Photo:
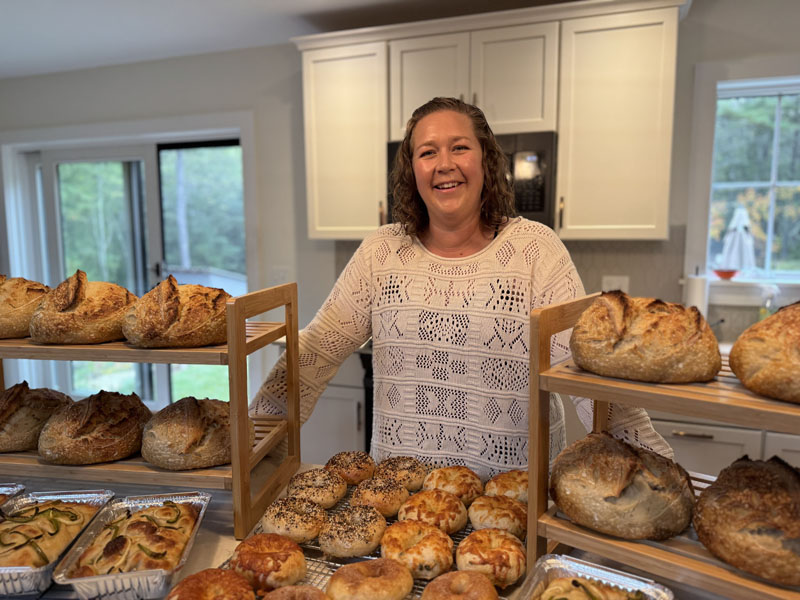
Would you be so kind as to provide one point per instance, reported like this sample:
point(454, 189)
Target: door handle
point(690, 434)
point(359, 418)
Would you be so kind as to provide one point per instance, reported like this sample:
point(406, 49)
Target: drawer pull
point(689, 434)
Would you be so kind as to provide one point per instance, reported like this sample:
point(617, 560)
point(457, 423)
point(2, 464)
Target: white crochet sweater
point(450, 342)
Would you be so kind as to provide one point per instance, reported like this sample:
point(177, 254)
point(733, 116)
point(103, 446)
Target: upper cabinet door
point(345, 117)
point(514, 72)
point(617, 90)
point(423, 68)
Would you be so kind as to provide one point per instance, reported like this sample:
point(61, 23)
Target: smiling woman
point(446, 293)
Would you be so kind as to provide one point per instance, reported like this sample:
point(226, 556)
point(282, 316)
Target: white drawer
point(708, 448)
point(785, 445)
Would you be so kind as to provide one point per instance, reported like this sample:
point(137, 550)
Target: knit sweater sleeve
point(341, 325)
point(561, 282)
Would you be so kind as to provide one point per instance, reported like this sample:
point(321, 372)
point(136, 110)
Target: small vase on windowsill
point(725, 274)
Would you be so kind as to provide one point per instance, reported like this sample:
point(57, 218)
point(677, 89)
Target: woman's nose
point(445, 161)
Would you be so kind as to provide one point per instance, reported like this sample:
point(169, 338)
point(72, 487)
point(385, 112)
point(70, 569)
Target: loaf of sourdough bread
point(18, 299)
point(190, 434)
point(80, 311)
point(750, 518)
point(177, 316)
point(766, 356)
point(644, 339)
point(610, 486)
point(103, 427)
point(23, 413)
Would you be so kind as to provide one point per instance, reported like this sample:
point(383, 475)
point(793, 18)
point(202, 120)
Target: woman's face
point(448, 167)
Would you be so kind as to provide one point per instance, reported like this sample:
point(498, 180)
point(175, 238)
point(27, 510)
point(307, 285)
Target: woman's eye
point(461, 147)
point(425, 153)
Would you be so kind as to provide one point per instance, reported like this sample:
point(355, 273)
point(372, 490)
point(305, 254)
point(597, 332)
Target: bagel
point(323, 487)
point(499, 512)
point(513, 484)
point(354, 466)
point(460, 585)
point(495, 553)
point(213, 584)
point(435, 507)
point(424, 549)
point(295, 518)
point(268, 561)
point(387, 495)
point(297, 592)
point(406, 469)
point(379, 579)
point(353, 531)
point(457, 480)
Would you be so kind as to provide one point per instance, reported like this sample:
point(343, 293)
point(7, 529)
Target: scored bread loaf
point(103, 427)
point(178, 316)
point(644, 339)
point(750, 518)
point(23, 413)
point(18, 299)
point(80, 311)
point(190, 434)
point(766, 356)
point(610, 486)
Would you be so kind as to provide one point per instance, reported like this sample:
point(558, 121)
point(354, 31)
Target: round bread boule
point(607, 485)
point(268, 561)
point(378, 579)
point(424, 549)
point(23, 414)
point(213, 584)
point(19, 298)
point(460, 585)
point(495, 553)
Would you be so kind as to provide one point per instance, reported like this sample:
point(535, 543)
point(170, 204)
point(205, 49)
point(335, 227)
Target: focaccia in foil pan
point(9, 490)
point(578, 575)
point(21, 517)
point(135, 524)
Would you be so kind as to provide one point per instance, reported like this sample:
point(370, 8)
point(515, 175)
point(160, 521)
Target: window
point(754, 221)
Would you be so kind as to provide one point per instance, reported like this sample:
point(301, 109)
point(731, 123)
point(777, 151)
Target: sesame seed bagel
point(353, 531)
point(296, 518)
point(387, 495)
point(354, 466)
point(435, 507)
point(323, 487)
point(457, 480)
point(406, 469)
point(424, 549)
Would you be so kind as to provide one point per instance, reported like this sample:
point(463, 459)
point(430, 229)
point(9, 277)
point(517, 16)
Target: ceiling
point(48, 36)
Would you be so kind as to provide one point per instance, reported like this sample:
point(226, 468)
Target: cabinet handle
point(359, 420)
point(561, 212)
point(475, 98)
point(461, 97)
point(689, 434)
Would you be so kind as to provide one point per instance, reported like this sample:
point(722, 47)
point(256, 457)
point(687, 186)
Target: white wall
point(265, 81)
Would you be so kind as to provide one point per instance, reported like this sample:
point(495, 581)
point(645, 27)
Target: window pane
point(743, 139)
point(723, 205)
point(90, 377)
point(200, 381)
point(789, 157)
point(786, 245)
point(203, 216)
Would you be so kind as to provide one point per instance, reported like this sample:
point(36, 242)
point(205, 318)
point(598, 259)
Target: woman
point(446, 294)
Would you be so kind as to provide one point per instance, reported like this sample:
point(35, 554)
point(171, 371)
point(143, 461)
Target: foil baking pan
point(552, 566)
point(153, 583)
point(9, 490)
point(28, 582)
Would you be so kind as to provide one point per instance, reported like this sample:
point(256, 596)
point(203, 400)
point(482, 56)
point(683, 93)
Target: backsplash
point(727, 322)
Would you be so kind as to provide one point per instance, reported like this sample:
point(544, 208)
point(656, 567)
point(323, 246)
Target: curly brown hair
point(497, 196)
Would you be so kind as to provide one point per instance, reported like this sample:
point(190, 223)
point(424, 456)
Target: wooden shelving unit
point(251, 493)
point(682, 558)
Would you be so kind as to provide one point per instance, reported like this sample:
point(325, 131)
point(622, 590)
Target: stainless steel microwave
point(532, 164)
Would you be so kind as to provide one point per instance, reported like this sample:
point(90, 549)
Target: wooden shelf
point(724, 399)
point(253, 487)
point(259, 334)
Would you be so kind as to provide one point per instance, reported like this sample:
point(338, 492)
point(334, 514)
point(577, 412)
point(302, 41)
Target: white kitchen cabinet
point(336, 425)
point(616, 98)
point(783, 445)
point(345, 115)
point(708, 449)
point(510, 72)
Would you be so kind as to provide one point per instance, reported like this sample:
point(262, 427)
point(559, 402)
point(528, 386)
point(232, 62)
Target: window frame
point(20, 216)
point(709, 77)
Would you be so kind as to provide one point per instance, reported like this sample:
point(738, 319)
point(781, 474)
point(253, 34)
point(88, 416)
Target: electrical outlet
point(615, 282)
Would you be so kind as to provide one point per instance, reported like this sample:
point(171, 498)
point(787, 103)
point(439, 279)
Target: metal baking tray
point(553, 566)
point(9, 490)
point(27, 582)
point(153, 583)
